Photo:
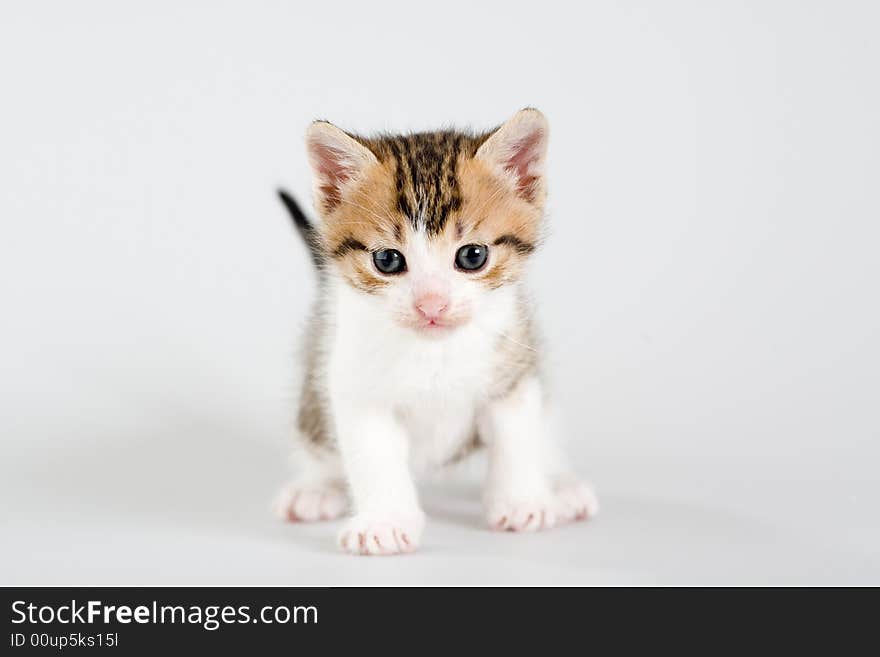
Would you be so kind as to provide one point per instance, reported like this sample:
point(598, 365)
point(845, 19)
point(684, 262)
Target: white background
point(709, 291)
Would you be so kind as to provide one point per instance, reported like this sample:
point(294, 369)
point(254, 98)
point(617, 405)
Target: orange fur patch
point(491, 211)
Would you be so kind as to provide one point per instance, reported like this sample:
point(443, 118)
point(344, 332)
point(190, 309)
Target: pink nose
point(431, 306)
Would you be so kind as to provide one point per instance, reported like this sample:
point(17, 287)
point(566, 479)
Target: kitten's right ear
point(337, 159)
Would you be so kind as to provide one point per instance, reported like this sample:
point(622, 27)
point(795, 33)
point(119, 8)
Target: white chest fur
point(434, 385)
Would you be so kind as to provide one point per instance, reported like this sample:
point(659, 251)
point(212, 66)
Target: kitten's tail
point(305, 227)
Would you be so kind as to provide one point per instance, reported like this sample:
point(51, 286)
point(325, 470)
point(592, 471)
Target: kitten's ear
point(517, 152)
point(337, 159)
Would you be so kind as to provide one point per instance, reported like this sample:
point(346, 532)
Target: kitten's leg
point(527, 489)
point(374, 450)
point(317, 493)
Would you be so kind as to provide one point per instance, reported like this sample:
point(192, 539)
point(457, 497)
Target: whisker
point(505, 336)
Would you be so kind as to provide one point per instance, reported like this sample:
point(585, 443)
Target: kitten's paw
point(302, 502)
point(382, 535)
point(569, 500)
point(575, 500)
point(510, 514)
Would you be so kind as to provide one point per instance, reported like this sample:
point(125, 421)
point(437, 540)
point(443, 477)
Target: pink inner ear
point(334, 168)
point(523, 154)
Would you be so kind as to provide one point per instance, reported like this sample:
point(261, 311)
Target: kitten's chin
point(433, 330)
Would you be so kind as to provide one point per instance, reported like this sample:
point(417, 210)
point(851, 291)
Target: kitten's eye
point(389, 261)
point(471, 257)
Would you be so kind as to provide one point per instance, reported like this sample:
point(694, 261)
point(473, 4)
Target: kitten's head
point(427, 225)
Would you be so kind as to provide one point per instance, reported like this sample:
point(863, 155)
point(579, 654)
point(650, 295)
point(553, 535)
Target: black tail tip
point(285, 197)
point(296, 213)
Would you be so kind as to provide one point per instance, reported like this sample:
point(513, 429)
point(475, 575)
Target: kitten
point(422, 346)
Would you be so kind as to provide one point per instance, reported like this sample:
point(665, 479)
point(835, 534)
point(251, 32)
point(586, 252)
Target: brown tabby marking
point(425, 173)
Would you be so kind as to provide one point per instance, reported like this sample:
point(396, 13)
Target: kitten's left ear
point(517, 152)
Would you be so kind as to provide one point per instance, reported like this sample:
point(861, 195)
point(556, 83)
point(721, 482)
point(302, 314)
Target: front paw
point(507, 513)
point(382, 534)
point(569, 500)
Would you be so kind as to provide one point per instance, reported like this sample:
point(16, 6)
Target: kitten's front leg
point(374, 450)
point(527, 488)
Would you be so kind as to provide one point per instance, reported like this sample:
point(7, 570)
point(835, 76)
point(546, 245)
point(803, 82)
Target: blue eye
point(389, 261)
point(471, 257)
